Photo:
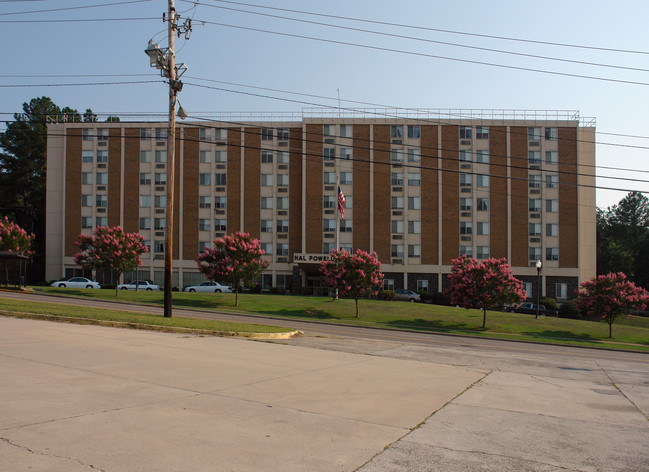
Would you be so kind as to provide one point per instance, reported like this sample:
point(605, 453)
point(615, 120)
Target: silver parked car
point(406, 295)
point(140, 285)
point(76, 282)
point(209, 287)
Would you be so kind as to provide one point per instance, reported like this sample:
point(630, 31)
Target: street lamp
point(539, 266)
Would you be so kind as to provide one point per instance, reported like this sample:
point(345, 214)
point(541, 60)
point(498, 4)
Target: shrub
point(569, 310)
point(426, 297)
point(439, 298)
point(549, 303)
point(387, 295)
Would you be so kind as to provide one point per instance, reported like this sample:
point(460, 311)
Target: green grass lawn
point(400, 315)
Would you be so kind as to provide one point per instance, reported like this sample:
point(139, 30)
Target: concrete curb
point(165, 329)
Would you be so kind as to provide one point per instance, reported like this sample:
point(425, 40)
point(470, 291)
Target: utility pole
point(165, 60)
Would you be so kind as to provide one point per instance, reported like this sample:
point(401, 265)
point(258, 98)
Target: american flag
point(341, 202)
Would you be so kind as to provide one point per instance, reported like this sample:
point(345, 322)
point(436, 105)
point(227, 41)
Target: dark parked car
point(530, 309)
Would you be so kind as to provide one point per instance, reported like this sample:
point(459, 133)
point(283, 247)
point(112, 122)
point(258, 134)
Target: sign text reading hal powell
point(312, 258)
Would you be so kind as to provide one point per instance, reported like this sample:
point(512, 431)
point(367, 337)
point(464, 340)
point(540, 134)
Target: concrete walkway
point(78, 398)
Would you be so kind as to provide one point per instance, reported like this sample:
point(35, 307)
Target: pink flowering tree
point(354, 275)
point(235, 259)
point(110, 248)
point(14, 239)
point(483, 284)
point(610, 295)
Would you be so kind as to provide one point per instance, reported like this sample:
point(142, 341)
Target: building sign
point(311, 258)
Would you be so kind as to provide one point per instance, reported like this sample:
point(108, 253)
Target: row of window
point(551, 229)
point(482, 227)
point(466, 204)
point(551, 157)
point(89, 156)
point(148, 133)
point(481, 180)
point(414, 226)
point(89, 134)
point(267, 157)
point(413, 154)
point(414, 178)
point(414, 203)
point(551, 181)
point(396, 250)
point(329, 178)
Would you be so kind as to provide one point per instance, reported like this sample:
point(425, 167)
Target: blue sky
point(261, 59)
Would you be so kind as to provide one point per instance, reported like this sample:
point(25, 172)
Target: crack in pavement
point(624, 394)
point(38, 453)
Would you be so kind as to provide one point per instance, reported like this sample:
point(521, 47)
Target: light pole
point(539, 266)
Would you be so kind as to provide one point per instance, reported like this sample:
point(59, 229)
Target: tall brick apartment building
point(420, 191)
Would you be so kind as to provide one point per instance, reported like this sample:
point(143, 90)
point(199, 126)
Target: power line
point(74, 8)
point(84, 20)
point(81, 84)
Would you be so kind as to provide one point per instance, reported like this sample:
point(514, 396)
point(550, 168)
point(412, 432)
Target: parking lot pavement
point(86, 397)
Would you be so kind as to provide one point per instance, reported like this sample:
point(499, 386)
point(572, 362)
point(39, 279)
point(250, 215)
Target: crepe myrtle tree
point(610, 295)
point(110, 248)
point(236, 259)
point(14, 239)
point(353, 274)
point(482, 285)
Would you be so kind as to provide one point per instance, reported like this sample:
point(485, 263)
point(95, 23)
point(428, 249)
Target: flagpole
point(337, 222)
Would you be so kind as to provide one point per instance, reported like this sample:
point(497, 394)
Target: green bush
point(549, 303)
point(425, 296)
point(439, 298)
point(569, 310)
point(387, 295)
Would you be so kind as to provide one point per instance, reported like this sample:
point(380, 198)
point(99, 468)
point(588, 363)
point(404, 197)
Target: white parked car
point(141, 285)
point(209, 287)
point(76, 282)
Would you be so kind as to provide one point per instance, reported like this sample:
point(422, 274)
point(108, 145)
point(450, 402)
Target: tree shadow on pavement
point(431, 325)
point(559, 334)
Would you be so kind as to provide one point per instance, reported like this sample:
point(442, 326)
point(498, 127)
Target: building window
point(266, 180)
point(466, 251)
point(160, 201)
point(87, 136)
point(346, 178)
point(534, 205)
point(414, 154)
point(534, 229)
point(414, 250)
point(102, 178)
point(346, 153)
point(204, 201)
point(551, 181)
point(282, 203)
point(202, 245)
point(220, 134)
point(483, 204)
point(220, 202)
point(533, 134)
point(267, 134)
point(145, 134)
point(551, 253)
point(551, 157)
point(483, 228)
point(267, 248)
point(220, 179)
point(204, 134)
point(220, 156)
point(282, 249)
point(282, 157)
point(422, 285)
point(282, 226)
point(266, 157)
point(328, 201)
point(483, 252)
point(396, 250)
point(329, 130)
point(266, 203)
point(397, 178)
point(283, 134)
point(86, 178)
point(204, 156)
point(145, 178)
point(414, 203)
point(397, 203)
point(86, 156)
point(345, 131)
point(466, 204)
point(396, 131)
point(466, 155)
point(534, 157)
point(551, 134)
point(282, 180)
point(346, 226)
point(220, 224)
point(482, 156)
point(552, 206)
point(388, 284)
point(466, 180)
point(414, 131)
point(528, 290)
point(102, 201)
point(158, 246)
point(329, 178)
point(102, 221)
point(86, 200)
point(414, 227)
point(204, 179)
point(204, 225)
point(482, 180)
point(161, 178)
point(159, 223)
point(534, 253)
point(102, 134)
point(466, 132)
point(328, 247)
point(551, 229)
point(397, 226)
point(561, 291)
point(266, 226)
point(396, 155)
point(145, 156)
point(161, 134)
point(329, 154)
point(466, 227)
point(482, 132)
point(86, 222)
point(534, 181)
